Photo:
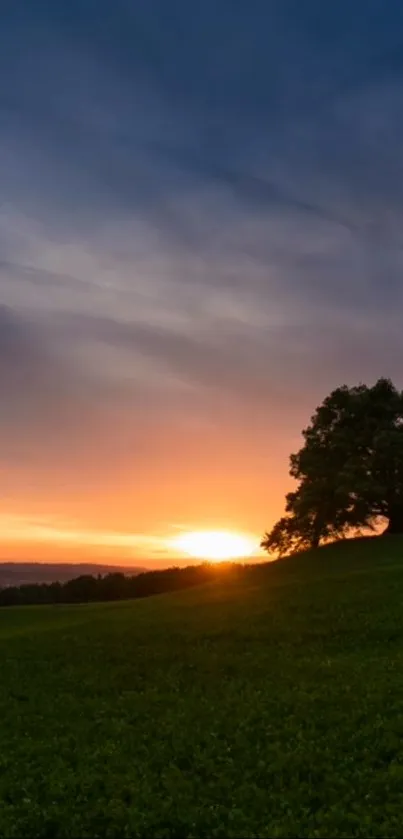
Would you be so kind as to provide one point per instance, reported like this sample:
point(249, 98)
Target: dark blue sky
point(200, 235)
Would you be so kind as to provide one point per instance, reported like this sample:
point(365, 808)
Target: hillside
point(22, 573)
point(268, 703)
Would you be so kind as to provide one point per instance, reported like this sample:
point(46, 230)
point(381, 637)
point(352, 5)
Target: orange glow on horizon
point(98, 508)
point(215, 545)
point(59, 537)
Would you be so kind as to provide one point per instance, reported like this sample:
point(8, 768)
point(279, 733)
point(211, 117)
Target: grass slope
point(267, 704)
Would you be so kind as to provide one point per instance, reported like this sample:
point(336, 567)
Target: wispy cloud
point(200, 234)
point(33, 530)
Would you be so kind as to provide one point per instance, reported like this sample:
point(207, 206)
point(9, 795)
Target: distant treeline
point(115, 586)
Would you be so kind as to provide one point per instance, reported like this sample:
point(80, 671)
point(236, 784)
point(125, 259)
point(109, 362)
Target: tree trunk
point(315, 541)
point(395, 525)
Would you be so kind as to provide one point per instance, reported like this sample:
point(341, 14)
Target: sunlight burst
point(215, 545)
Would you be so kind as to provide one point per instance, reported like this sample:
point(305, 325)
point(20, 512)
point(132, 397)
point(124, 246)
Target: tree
point(350, 469)
point(113, 586)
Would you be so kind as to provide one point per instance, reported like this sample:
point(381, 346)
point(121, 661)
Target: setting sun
point(215, 545)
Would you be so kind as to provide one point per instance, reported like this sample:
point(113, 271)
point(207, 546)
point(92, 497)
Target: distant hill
point(20, 573)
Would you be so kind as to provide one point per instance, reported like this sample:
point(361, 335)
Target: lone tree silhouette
point(350, 469)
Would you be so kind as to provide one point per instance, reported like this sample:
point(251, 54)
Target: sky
point(200, 236)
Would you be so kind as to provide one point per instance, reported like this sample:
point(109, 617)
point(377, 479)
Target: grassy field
point(267, 704)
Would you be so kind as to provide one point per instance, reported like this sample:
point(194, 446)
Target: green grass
point(267, 704)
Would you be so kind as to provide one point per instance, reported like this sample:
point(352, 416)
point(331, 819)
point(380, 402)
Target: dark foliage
point(350, 469)
point(114, 586)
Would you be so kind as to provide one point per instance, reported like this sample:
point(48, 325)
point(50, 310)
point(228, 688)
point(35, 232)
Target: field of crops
point(266, 704)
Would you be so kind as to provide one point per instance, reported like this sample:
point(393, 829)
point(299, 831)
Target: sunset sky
point(201, 231)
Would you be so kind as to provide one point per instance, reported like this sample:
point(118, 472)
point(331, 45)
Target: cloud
point(26, 367)
point(200, 231)
point(17, 528)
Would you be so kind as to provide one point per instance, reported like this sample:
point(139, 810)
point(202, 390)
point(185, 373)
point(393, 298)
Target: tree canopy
point(349, 469)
